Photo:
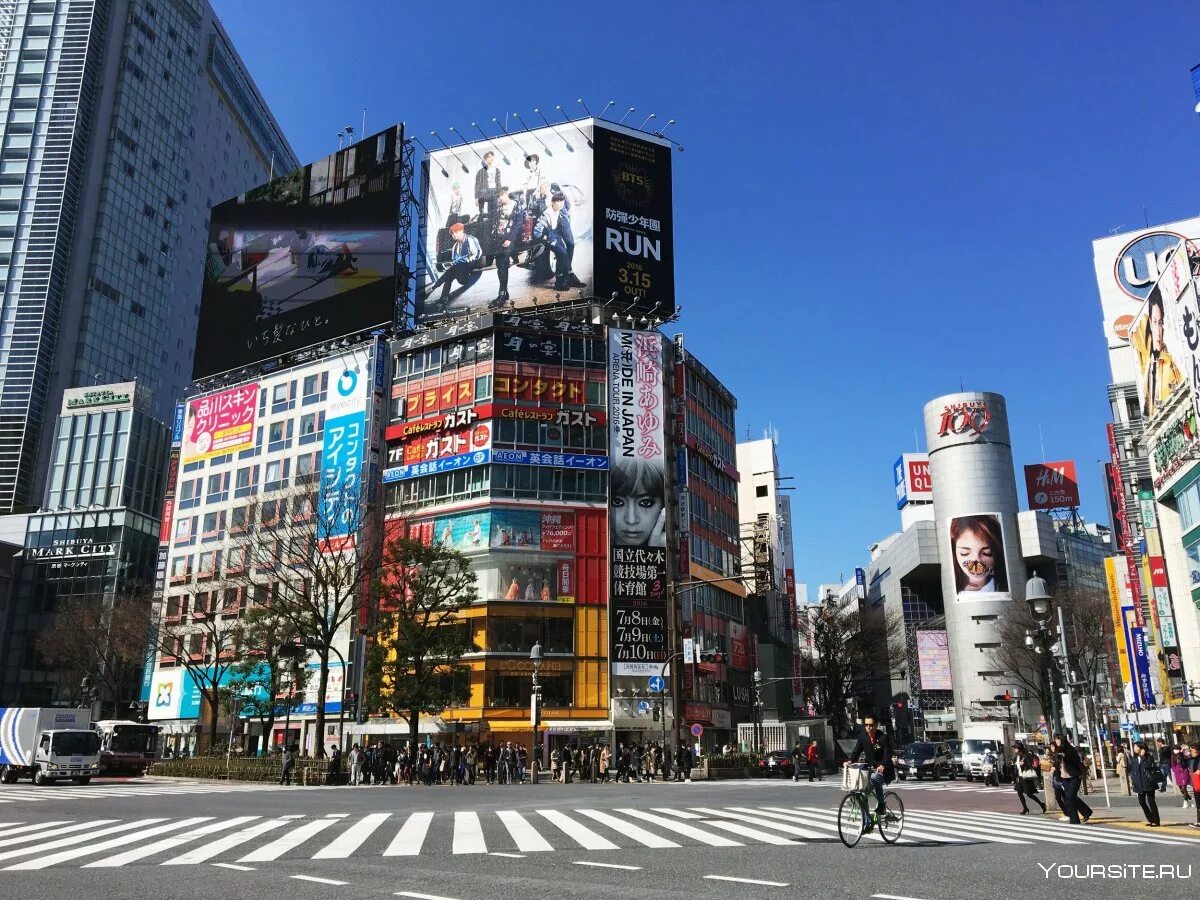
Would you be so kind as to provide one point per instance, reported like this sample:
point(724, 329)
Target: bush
point(733, 760)
point(264, 769)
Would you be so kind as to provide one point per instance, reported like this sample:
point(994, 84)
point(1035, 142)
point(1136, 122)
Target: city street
point(761, 838)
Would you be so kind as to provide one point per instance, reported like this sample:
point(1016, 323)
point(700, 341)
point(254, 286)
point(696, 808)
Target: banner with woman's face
point(978, 556)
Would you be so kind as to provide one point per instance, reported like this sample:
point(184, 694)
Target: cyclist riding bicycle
point(875, 748)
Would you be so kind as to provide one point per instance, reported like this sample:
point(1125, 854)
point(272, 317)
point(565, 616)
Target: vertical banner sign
point(1114, 598)
point(860, 581)
point(1124, 528)
point(637, 501)
point(1165, 614)
point(339, 506)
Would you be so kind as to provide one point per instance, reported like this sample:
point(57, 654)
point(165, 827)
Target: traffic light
point(351, 703)
point(712, 656)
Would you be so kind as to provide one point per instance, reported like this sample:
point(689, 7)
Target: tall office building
point(122, 123)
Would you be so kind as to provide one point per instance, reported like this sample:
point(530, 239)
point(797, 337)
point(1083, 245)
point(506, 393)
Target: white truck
point(980, 737)
point(46, 744)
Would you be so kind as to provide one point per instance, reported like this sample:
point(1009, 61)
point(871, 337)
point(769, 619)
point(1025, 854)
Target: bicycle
point(855, 816)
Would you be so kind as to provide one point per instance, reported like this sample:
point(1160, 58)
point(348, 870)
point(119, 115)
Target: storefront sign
point(79, 549)
point(424, 449)
point(1176, 445)
point(438, 398)
point(566, 581)
point(549, 415)
point(451, 421)
point(104, 397)
point(535, 387)
point(558, 531)
point(1124, 529)
point(220, 423)
point(970, 418)
point(1052, 485)
point(556, 460)
point(449, 464)
point(531, 348)
point(739, 646)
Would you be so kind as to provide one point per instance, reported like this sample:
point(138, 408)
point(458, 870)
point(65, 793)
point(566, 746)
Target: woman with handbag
point(1145, 776)
point(1026, 781)
point(1180, 773)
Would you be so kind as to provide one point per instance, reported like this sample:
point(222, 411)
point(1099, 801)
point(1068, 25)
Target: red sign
point(739, 646)
point(558, 531)
point(220, 423)
point(919, 479)
point(697, 712)
point(468, 440)
point(460, 418)
point(168, 519)
point(1052, 485)
point(533, 387)
point(1124, 528)
point(433, 399)
point(566, 580)
point(1158, 572)
point(971, 417)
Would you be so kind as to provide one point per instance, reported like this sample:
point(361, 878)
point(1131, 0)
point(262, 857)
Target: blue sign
point(1127, 726)
point(341, 469)
point(1143, 260)
point(657, 684)
point(177, 431)
point(557, 460)
point(643, 705)
point(434, 466)
point(901, 484)
point(380, 352)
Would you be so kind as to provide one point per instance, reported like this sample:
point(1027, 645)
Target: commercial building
point(94, 539)
point(123, 122)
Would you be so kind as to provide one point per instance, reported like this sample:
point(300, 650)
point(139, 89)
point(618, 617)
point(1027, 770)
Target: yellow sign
point(1114, 599)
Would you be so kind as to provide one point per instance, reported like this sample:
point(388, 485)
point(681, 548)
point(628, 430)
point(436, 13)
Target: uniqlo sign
point(1052, 485)
point(913, 482)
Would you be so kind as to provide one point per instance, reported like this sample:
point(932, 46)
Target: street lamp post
point(758, 711)
point(1040, 603)
point(535, 710)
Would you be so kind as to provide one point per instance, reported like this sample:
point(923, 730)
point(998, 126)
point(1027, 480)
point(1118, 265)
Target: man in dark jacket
point(1145, 776)
point(506, 235)
point(554, 228)
point(1068, 765)
point(875, 749)
point(1164, 761)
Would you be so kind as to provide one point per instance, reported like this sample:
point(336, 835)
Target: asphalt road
point(163, 838)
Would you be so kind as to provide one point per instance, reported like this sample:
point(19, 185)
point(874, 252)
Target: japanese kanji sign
point(220, 423)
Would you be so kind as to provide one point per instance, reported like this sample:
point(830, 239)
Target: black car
point(777, 763)
point(923, 758)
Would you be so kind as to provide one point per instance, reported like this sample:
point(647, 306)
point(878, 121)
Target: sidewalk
point(1127, 812)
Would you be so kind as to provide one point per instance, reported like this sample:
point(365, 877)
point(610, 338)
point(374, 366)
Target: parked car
point(922, 758)
point(777, 763)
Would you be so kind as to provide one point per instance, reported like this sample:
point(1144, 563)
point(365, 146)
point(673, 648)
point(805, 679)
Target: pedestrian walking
point(813, 756)
point(1145, 775)
point(555, 763)
point(798, 754)
point(622, 763)
point(1026, 782)
point(289, 762)
point(1193, 768)
point(1181, 776)
point(356, 761)
point(1164, 762)
point(635, 763)
point(604, 758)
point(1069, 767)
point(1122, 768)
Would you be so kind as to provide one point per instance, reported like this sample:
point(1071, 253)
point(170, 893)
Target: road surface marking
point(509, 855)
point(604, 865)
point(992, 831)
point(524, 835)
point(289, 841)
point(352, 838)
point(235, 867)
point(581, 834)
point(417, 896)
point(338, 816)
point(5, 842)
point(1036, 824)
point(641, 835)
point(713, 840)
point(411, 836)
point(55, 858)
point(79, 838)
point(753, 816)
point(468, 834)
point(168, 844)
point(208, 851)
point(39, 826)
point(746, 880)
point(319, 880)
point(892, 897)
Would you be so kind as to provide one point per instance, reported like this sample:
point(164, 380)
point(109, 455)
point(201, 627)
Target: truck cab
point(66, 754)
point(47, 744)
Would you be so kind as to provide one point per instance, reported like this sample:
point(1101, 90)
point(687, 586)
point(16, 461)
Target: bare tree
point(256, 686)
point(849, 650)
point(414, 667)
point(101, 638)
point(308, 554)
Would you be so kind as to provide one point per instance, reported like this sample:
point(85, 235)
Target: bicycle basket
point(855, 779)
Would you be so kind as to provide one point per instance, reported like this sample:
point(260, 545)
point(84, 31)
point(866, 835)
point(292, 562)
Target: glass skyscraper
point(121, 124)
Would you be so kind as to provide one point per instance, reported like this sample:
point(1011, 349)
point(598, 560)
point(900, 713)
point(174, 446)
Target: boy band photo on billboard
point(977, 549)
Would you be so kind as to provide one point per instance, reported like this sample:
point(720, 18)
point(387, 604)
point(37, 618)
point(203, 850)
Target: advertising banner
point(558, 531)
point(1052, 485)
point(1122, 526)
point(1157, 343)
point(343, 451)
point(433, 399)
point(305, 258)
point(220, 423)
point(554, 460)
point(544, 349)
point(466, 440)
point(739, 646)
point(451, 421)
point(933, 660)
point(977, 549)
point(466, 532)
point(913, 482)
point(1114, 570)
point(548, 390)
point(637, 499)
point(1164, 614)
point(447, 464)
point(552, 215)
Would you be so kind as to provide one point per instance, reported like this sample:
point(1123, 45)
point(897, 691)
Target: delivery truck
point(47, 744)
point(995, 738)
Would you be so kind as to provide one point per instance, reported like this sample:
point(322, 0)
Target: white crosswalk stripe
point(112, 843)
point(29, 793)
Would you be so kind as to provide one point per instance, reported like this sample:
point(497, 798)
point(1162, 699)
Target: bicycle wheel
point(852, 815)
point(891, 823)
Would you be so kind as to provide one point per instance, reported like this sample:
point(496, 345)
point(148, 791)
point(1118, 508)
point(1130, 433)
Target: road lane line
point(208, 851)
point(236, 867)
point(892, 897)
point(712, 840)
point(319, 880)
point(40, 825)
point(754, 817)
point(43, 862)
point(576, 831)
point(286, 842)
point(746, 880)
point(509, 855)
point(604, 865)
point(418, 896)
point(352, 838)
point(411, 836)
point(78, 838)
point(526, 837)
point(468, 834)
point(641, 835)
point(167, 844)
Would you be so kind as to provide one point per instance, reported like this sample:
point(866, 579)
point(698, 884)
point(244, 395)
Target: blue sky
point(877, 200)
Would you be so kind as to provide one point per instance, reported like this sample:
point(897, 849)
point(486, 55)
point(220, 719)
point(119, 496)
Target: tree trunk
point(214, 713)
point(322, 686)
point(414, 726)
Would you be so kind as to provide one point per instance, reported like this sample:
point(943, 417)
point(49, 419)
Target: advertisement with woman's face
point(977, 554)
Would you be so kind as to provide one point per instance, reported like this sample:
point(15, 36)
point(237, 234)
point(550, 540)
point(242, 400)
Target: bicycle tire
point(852, 814)
point(891, 824)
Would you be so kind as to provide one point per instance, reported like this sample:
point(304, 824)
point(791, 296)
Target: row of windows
point(718, 440)
point(1188, 503)
point(716, 600)
point(699, 467)
point(709, 399)
point(545, 436)
point(712, 516)
point(577, 352)
point(533, 482)
point(711, 556)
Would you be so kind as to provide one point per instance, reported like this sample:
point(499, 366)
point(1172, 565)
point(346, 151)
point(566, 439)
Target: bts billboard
point(554, 215)
point(305, 258)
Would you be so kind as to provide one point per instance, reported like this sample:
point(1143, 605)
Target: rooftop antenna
point(493, 143)
point(517, 116)
point(349, 129)
point(610, 103)
point(508, 134)
point(663, 130)
point(452, 153)
point(577, 128)
point(364, 123)
point(537, 110)
point(627, 112)
point(341, 139)
point(648, 118)
point(445, 174)
point(470, 146)
point(1042, 441)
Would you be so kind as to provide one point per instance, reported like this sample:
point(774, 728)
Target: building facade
point(124, 120)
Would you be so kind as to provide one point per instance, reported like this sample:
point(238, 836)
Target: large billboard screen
point(553, 215)
point(637, 501)
point(933, 660)
point(1052, 485)
point(220, 423)
point(305, 258)
point(977, 548)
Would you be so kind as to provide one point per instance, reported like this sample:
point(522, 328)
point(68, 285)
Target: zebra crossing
point(29, 793)
point(252, 840)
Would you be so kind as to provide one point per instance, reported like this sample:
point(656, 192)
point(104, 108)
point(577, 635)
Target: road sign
point(657, 684)
point(1127, 726)
point(643, 705)
point(697, 730)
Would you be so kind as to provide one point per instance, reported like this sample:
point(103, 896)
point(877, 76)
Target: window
point(213, 526)
point(235, 559)
point(277, 474)
point(196, 646)
point(279, 435)
point(181, 568)
point(303, 508)
point(240, 518)
point(176, 608)
point(218, 488)
point(760, 490)
point(307, 467)
point(315, 389)
point(1188, 503)
point(246, 482)
point(189, 493)
point(183, 529)
point(231, 602)
point(207, 566)
point(312, 427)
point(282, 398)
point(273, 511)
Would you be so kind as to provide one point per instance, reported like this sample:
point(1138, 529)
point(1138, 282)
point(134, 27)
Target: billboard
point(1127, 265)
point(977, 549)
point(547, 216)
point(913, 482)
point(933, 660)
point(220, 423)
point(305, 258)
point(1052, 485)
point(344, 449)
point(1157, 338)
point(637, 513)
